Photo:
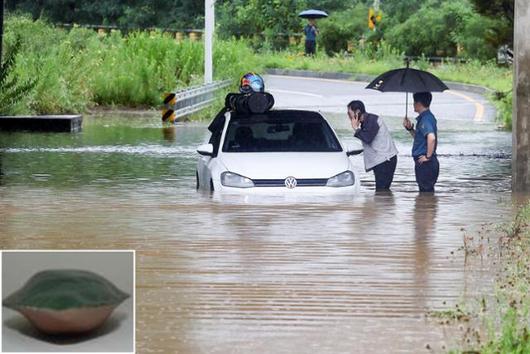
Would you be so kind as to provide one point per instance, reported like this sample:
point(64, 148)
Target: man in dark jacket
point(380, 153)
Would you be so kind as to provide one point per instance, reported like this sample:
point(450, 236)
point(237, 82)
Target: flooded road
point(229, 275)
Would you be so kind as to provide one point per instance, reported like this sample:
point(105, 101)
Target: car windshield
point(280, 131)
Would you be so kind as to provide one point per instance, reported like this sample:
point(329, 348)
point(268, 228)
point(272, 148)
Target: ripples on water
point(272, 274)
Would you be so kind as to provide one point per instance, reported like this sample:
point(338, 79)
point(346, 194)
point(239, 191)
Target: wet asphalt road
point(333, 96)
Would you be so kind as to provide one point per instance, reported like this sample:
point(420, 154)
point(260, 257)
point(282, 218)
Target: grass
point(78, 69)
point(507, 318)
point(459, 313)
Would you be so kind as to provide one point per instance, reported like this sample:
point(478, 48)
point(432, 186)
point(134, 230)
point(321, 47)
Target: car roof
point(279, 114)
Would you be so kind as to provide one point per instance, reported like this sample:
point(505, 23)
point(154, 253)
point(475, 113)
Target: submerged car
point(278, 151)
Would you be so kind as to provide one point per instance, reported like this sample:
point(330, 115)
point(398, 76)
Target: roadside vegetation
point(497, 322)
point(464, 28)
point(78, 69)
point(509, 321)
point(12, 89)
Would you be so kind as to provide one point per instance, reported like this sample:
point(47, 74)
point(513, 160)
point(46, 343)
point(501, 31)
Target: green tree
point(343, 26)
point(330, 6)
point(438, 29)
point(123, 13)
point(272, 18)
point(502, 12)
point(495, 8)
point(399, 11)
point(478, 37)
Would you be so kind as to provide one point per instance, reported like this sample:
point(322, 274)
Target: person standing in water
point(380, 152)
point(425, 134)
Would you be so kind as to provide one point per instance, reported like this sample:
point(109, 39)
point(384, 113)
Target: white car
point(287, 151)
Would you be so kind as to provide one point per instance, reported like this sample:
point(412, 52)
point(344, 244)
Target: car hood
point(281, 165)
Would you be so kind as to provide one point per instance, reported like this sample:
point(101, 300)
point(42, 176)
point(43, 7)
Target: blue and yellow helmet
point(251, 82)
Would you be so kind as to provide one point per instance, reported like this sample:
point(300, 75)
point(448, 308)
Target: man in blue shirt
point(311, 32)
point(425, 137)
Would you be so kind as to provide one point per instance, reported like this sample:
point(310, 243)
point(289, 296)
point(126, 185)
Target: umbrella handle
point(407, 105)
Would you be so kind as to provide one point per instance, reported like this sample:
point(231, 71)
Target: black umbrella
point(313, 14)
point(407, 80)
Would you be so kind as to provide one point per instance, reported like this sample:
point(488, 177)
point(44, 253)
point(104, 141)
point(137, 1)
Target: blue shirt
point(425, 124)
point(310, 33)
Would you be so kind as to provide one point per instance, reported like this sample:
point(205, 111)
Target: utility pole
point(209, 28)
point(521, 99)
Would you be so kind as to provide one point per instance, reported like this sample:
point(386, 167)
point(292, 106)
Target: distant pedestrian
point(427, 167)
point(380, 153)
point(311, 32)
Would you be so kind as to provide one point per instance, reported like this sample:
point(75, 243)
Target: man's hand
point(355, 119)
point(407, 123)
point(422, 159)
point(355, 123)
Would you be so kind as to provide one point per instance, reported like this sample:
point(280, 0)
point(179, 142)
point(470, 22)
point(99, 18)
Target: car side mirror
point(205, 150)
point(354, 152)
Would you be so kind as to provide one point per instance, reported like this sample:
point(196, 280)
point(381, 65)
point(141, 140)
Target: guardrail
point(182, 103)
point(180, 34)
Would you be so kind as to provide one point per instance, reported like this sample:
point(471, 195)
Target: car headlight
point(343, 179)
point(229, 179)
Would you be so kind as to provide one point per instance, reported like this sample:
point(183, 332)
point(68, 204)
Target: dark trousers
point(427, 174)
point(384, 174)
point(310, 47)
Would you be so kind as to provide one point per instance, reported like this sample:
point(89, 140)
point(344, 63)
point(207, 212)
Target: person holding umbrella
point(425, 134)
point(311, 30)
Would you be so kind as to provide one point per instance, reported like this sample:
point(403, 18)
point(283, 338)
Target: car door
point(205, 164)
point(203, 171)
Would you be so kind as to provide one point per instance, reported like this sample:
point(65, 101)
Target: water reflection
point(169, 133)
point(1, 168)
point(425, 210)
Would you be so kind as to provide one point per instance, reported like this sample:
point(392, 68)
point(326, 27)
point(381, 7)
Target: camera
point(249, 103)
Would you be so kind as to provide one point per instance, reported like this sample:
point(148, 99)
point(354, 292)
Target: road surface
point(333, 95)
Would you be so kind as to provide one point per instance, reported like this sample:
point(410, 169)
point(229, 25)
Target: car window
point(280, 131)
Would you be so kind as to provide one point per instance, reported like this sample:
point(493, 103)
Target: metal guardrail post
point(187, 101)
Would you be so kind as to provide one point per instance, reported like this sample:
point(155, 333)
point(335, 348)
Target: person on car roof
point(251, 98)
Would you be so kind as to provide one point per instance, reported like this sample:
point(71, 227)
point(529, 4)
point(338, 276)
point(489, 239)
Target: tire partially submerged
point(66, 301)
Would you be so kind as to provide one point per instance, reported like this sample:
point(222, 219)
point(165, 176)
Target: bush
point(77, 69)
point(12, 90)
point(432, 30)
point(334, 38)
point(504, 104)
point(476, 38)
point(342, 27)
point(61, 66)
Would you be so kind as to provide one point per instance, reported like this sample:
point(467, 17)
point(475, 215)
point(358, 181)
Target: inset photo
point(68, 301)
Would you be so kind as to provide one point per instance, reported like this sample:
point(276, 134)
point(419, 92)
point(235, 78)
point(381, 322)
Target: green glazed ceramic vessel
point(66, 301)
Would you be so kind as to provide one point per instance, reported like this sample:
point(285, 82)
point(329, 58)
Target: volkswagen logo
point(290, 182)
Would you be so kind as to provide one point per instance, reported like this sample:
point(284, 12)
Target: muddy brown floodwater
point(231, 275)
